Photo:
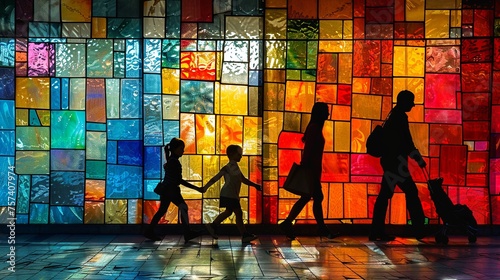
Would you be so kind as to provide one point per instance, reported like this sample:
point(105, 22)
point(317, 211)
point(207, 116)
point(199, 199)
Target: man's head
point(406, 100)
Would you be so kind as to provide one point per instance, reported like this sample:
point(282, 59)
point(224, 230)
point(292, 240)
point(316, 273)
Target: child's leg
point(183, 210)
point(164, 203)
point(239, 220)
point(222, 216)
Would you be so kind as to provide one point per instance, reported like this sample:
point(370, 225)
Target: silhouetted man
point(395, 165)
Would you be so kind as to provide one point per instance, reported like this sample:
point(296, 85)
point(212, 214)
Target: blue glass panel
point(152, 162)
point(130, 152)
point(21, 219)
point(170, 130)
point(119, 65)
point(67, 160)
point(7, 53)
point(33, 118)
point(40, 189)
point(197, 97)
point(152, 120)
point(133, 59)
point(23, 198)
point(66, 215)
point(131, 99)
point(6, 83)
point(7, 167)
point(124, 28)
point(65, 93)
point(67, 188)
point(55, 94)
point(170, 53)
point(55, 29)
point(7, 142)
point(39, 213)
point(111, 151)
point(68, 129)
point(149, 186)
point(124, 130)
point(173, 8)
point(255, 78)
point(39, 29)
point(104, 8)
point(152, 56)
point(96, 126)
point(129, 8)
point(152, 83)
point(124, 181)
point(7, 117)
point(173, 24)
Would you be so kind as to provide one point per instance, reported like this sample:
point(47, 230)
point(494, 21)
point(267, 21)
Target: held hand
point(422, 163)
point(202, 190)
point(258, 187)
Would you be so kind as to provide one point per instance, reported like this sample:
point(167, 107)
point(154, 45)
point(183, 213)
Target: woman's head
point(406, 100)
point(175, 147)
point(319, 112)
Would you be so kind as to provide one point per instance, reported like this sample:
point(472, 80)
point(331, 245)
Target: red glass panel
point(414, 30)
point(387, 46)
point(475, 198)
point(364, 164)
point(476, 50)
point(477, 180)
point(379, 3)
point(195, 212)
point(299, 9)
point(197, 11)
point(366, 179)
point(495, 146)
point(476, 131)
point(364, 67)
point(434, 167)
point(399, 30)
point(477, 162)
point(290, 140)
point(443, 116)
point(452, 164)
point(270, 210)
point(476, 106)
point(344, 94)
point(495, 99)
point(386, 70)
point(495, 206)
point(495, 176)
point(359, 8)
point(476, 77)
point(495, 119)
point(483, 22)
point(359, 28)
point(496, 53)
point(425, 199)
point(335, 167)
point(399, 10)
point(340, 9)
point(445, 134)
point(467, 16)
point(440, 90)
point(379, 15)
point(198, 65)
point(382, 86)
point(286, 158)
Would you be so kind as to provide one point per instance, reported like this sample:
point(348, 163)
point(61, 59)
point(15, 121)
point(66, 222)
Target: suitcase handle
point(426, 174)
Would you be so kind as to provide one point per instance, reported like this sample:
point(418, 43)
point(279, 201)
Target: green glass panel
point(95, 169)
point(112, 98)
point(32, 138)
point(100, 58)
point(170, 53)
point(32, 162)
point(68, 129)
point(312, 54)
point(303, 29)
point(96, 145)
point(296, 54)
point(70, 60)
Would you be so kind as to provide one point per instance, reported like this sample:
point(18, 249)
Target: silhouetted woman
point(312, 157)
point(172, 191)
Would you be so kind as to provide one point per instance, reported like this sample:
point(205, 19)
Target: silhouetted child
point(171, 191)
point(230, 193)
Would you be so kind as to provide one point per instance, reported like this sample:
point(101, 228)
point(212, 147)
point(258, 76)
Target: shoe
point(325, 232)
point(211, 231)
point(151, 236)
point(191, 235)
point(247, 237)
point(287, 228)
point(382, 237)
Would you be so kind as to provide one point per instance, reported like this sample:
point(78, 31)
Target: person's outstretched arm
point(191, 186)
point(214, 179)
point(245, 181)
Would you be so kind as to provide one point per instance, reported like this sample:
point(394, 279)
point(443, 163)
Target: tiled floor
point(269, 257)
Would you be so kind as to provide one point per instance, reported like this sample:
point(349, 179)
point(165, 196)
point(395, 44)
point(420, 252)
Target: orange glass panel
point(231, 131)
point(355, 201)
point(252, 136)
point(94, 190)
point(76, 10)
point(99, 27)
point(150, 208)
point(398, 209)
point(96, 101)
point(198, 65)
point(360, 129)
point(327, 68)
point(299, 96)
point(326, 93)
point(299, 9)
point(345, 68)
point(341, 9)
point(336, 167)
point(188, 132)
point(94, 212)
point(367, 49)
point(205, 134)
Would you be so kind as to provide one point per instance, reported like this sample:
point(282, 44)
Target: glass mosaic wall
point(90, 92)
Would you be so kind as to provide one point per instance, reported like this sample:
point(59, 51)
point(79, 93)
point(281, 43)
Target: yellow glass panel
point(409, 61)
point(361, 85)
point(188, 133)
point(398, 206)
point(345, 68)
point(191, 167)
point(44, 116)
point(341, 113)
point(99, 27)
point(94, 212)
point(170, 107)
point(170, 80)
point(274, 95)
point(32, 162)
point(234, 100)
point(360, 129)
point(277, 76)
point(330, 29)
point(77, 94)
point(420, 135)
point(348, 29)
point(456, 18)
point(205, 134)
point(443, 4)
point(116, 211)
point(275, 4)
point(336, 46)
point(211, 168)
point(366, 106)
point(33, 93)
point(22, 116)
point(437, 24)
point(328, 134)
point(276, 54)
point(342, 134)
point(210, 208)
point(415, 85)
point(335, 201)
point(76, 10)
point(270, 152)
point(217, 98)
point(188, 193)
point(270, 173)
point(275, 24)
point(415, 10)
point(273, 124)
point(252, 136)
point(253, 101)
point(355, 201)
point(299, 96)
point(230, 131)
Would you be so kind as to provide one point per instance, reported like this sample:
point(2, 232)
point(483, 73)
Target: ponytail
point(174, 143)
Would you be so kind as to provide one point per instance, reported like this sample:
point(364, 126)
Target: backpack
point(376, 143)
